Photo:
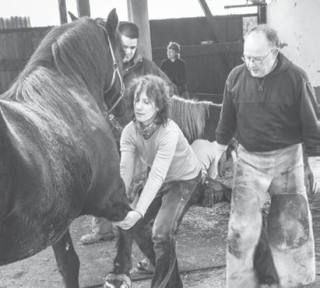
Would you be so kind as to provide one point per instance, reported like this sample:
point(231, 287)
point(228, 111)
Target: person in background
point(269, 105)
point(171, 186)
point(175, 68)
point(134, 65)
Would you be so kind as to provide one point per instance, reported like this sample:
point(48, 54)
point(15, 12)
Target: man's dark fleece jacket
point(272, 112)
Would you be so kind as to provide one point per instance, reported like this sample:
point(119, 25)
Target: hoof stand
point(117, 281)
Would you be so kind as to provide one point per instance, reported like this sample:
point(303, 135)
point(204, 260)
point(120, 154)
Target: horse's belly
point(18, 242)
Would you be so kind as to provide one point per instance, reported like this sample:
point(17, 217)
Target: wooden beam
point(215, 31)
point(244, 5)
point(262, 14)
point(83, 7)
point(63, 11)
point(160, 53)
point(212, 21)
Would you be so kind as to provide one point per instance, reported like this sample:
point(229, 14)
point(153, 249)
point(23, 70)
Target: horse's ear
point(72, 16)
point(112, 22)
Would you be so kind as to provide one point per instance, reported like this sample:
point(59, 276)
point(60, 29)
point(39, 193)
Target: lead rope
point(115, 123)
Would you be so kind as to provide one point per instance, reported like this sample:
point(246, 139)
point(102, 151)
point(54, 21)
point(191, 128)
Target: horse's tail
point(5, 168)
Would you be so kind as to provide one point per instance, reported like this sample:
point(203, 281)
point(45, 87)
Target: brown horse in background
point(196, 119)
point(58, 157)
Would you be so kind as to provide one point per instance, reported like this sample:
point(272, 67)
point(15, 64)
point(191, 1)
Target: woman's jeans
point(158, 241)
point(290, 233)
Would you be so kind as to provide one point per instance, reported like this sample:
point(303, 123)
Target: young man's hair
point(129, 29)
point(270, 33)
point(157, 90)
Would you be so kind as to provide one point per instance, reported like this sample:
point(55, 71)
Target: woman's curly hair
point(157, 90)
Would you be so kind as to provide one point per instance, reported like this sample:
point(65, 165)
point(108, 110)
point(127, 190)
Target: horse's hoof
point(117, 281)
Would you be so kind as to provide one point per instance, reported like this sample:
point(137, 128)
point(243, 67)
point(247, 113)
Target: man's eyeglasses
point(256, 60)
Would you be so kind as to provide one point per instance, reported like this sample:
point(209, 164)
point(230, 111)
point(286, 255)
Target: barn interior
point(211, 45)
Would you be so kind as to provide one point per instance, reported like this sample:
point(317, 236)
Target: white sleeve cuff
point(221, 148)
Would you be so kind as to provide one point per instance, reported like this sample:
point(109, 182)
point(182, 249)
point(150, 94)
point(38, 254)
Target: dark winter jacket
point(176, 71)
point(270, 113)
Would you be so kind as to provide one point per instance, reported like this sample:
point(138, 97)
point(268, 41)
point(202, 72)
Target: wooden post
point(63, 11)
point(262, 14)
point(83, 7)
point(138, 14)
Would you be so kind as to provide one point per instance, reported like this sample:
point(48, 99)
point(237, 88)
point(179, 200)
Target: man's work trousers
point(289, 227)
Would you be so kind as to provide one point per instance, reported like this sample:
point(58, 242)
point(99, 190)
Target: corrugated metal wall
point(16, 47)
point(14, 22)
point(208, 65)
point(193, 31)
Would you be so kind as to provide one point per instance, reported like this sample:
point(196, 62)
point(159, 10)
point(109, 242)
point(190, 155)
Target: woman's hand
point(132, 218)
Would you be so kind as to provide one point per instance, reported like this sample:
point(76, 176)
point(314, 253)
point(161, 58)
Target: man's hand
point(213, 170)
point(132, 218)
point(222, 165)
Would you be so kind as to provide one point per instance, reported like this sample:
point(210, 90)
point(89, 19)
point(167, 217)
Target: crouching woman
point(173, 179)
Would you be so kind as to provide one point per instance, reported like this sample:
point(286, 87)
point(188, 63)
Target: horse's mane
point(191, 116)
point(61, 62)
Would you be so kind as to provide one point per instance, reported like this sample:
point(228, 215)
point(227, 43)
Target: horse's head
point(88, 53)
point(113, 93)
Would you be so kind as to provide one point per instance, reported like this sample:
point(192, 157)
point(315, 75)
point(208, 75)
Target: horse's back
point(196, 119)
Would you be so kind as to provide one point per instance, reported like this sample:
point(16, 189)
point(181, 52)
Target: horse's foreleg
point(67, 261)
point(120, 276)
point(123, 260)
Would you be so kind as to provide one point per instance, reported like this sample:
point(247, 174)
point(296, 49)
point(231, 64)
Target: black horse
point(58, 157)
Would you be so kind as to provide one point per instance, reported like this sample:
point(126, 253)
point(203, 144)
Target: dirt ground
point(200, 247)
